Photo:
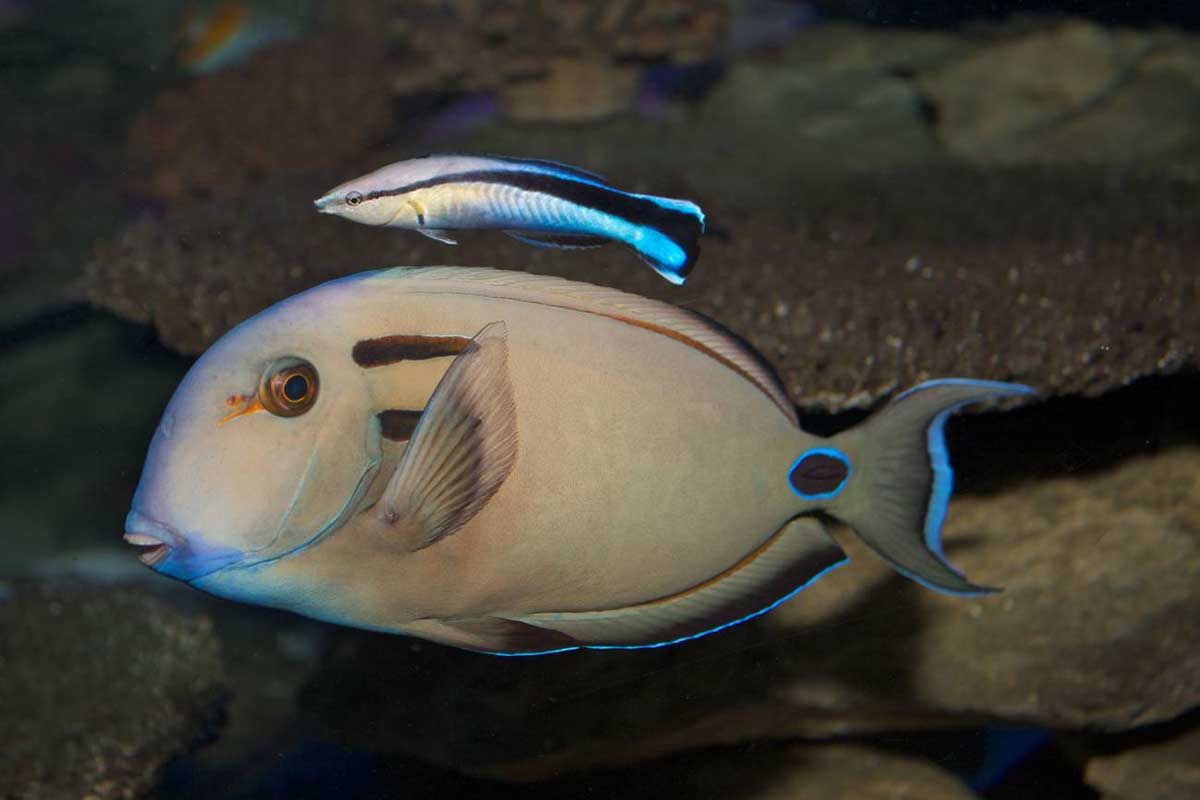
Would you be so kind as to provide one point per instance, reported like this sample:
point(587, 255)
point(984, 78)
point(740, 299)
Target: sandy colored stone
point(98, 689)
point(1098, 627)
point(1168, 769)
point(785, 772)
point(1072, 92)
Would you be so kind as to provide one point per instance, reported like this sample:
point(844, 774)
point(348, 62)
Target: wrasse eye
point(353, 198)
point(289, 388)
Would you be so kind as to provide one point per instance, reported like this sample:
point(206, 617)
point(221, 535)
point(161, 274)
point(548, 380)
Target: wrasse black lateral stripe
point(637, 210)
point(387, 350)
point(398, 424)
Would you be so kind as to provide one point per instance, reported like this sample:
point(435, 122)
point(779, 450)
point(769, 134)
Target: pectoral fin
point(461, 450)
point(561, 241)
point(438, 234)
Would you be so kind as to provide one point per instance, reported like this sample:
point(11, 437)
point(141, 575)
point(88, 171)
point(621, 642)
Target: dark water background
point(146, 205)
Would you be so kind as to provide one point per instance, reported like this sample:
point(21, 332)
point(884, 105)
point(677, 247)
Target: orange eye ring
point(289, 389)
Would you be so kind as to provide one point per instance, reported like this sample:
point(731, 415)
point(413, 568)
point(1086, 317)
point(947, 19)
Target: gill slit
point(291, 506)
point(364, 480)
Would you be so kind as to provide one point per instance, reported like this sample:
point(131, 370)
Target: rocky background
point(896, 190)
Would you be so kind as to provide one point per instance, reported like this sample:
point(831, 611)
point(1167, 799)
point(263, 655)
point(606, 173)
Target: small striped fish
point(539, 202)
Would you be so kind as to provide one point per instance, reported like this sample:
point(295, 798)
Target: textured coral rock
point(290, 108)
point(1098, 627)
point(1075, 282)
point(99, 688)
point(567, 60)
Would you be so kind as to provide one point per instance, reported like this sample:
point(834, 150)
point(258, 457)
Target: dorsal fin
point(681, 324)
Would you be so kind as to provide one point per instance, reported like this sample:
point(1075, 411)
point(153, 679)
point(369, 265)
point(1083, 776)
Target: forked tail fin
point(890, 478)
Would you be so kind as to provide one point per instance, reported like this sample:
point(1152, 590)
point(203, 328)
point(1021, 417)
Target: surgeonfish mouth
point(153, 539)
point(151, 551)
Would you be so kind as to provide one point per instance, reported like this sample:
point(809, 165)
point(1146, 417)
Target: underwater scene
point(747, 399)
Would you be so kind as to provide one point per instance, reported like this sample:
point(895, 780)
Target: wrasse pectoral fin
point(463, 447)
point(795, 556)
point(562, 241)
point(439, 235)
point(419, 210)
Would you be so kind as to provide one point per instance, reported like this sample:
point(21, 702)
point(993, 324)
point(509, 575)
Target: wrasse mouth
point(151, 551)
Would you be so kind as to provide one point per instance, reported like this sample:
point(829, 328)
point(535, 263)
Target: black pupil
point(295, 388)
point(353, 198)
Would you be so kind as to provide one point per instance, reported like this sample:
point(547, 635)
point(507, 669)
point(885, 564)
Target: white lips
point(152, 549)
point(142, 540)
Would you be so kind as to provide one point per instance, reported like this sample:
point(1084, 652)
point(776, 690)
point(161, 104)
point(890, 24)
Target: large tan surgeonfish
point(520, 464)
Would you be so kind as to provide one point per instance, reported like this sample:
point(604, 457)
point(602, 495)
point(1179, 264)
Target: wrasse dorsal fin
point(461, 450)
point(797, 555)
point(688, 327)
point(555, 168)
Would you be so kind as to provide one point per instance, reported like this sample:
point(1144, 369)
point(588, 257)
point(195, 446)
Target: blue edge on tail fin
point(935, 516)
point(939, 461)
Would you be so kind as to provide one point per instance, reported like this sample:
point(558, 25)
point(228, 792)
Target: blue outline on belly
point(688, 638)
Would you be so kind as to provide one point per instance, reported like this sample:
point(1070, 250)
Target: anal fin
point(494, 635)
point(798, 554)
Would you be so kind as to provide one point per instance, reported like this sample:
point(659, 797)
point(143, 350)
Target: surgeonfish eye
point(289, 388)
point(353, 198)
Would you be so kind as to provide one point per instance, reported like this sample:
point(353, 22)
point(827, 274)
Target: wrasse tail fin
point(670, 238)
point(890, 478)
point(795, 556)
point(561, 241)
point(463, 446)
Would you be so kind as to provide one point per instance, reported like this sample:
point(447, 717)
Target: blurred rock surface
point(99, 688)
point(787, 772)
point(290, 108)
point(1098, 627)
point(1073, 92)
point(1163, 770)
point(569, 61)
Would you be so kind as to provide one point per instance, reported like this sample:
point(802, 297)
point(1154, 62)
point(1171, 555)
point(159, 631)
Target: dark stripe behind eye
point(392, 349)
point(398, 424)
